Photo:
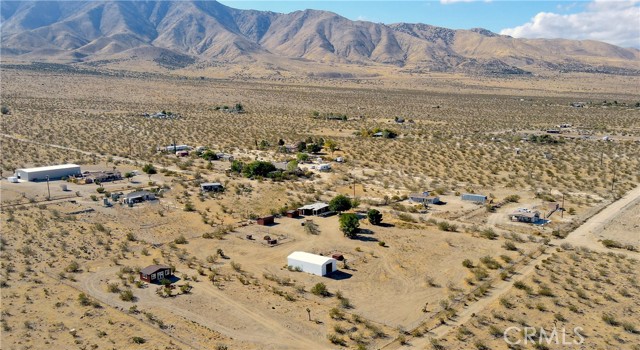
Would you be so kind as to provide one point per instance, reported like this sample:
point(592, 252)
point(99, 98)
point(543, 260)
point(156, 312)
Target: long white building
point(54, 172)
point(312, 263)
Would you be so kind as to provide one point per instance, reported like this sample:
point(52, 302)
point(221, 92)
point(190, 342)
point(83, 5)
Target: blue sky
point(494, 15)
point(613, 21)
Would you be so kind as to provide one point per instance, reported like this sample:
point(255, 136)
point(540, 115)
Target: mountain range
point(183, 33)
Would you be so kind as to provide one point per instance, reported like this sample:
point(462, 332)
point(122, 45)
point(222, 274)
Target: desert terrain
point(452, 275)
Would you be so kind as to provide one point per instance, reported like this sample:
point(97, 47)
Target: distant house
point(553, 131)
point(155, 273)
point(138, 197)
point(175, 148)
point(578, 104)
point(528, 217)
point(424, 198)
point(211, 187)
point(312, 263)
point(324, 167)
point(472, 197)
point(378, 134)
point(266, 220)
point(314, 209)
point(225, 156)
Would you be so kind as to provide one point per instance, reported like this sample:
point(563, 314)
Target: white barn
point(54, 172)
point(312, 263)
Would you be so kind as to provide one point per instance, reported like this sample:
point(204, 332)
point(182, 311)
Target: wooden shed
point(292, 214)
point(266, 220)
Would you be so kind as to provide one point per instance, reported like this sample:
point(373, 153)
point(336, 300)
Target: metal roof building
point(312, 263)
point(53, 172)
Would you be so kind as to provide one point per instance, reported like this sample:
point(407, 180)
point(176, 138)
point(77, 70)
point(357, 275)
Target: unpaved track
point(258, 327)
point(582, 236)
point(585, 234)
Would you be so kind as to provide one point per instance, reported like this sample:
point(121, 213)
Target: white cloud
point(613, 21)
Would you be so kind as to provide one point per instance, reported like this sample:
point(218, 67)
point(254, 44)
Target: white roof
point(51, 167)
point(314, 206)
point(310, 258)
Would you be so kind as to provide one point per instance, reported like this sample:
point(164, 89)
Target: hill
point(182, 33)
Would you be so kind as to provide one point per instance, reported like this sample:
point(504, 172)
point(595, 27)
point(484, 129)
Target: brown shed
point(155, 273)
point(266, 220)
point(292, 214)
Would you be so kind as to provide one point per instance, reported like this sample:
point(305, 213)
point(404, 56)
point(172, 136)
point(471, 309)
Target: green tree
point(349, 224)
point(128, 176)
point(236, 166)
point(302, 157)
point(374, 216)
point(209, 155)
point(331, 145)
point(149, 169)
point(340, 203)
point(313, 148)
point(258, 168)
point(292, 166)
point(302, 146)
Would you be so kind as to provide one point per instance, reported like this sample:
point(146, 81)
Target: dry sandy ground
point(254, 302)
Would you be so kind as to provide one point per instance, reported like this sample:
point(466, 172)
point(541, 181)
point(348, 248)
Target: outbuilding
point(424, 198)
point(155, 273)
point(314, 209)
point(266, 220)
point(139, 197)
point(471, 197)
point(211, 187)
point(53, 172)
point(312, 263)
point(528, 217)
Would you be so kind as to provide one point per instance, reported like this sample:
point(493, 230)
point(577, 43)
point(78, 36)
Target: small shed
point(292, 214)
point(182, 153)
point(312, 263)
point(472, 197)
point(266, 220)
point(155, 273)
point(211, 187)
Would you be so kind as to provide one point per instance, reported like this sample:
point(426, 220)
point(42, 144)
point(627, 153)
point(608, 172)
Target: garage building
point(54, 172)
point(312, 263)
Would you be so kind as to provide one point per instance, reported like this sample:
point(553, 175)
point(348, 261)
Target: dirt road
point(585, 235)
point(218, 311)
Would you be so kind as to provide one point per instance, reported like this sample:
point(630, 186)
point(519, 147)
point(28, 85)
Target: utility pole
point(48, 189)
point(562, 212)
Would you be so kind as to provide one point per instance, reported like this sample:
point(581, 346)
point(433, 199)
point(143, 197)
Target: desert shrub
point(509, 245)
point(126, 295)
point(138, 340)
point(320, 289)
point(488, 233)
point(467, 263)
point(609, 243)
